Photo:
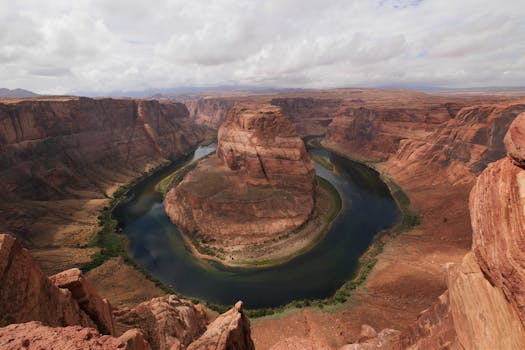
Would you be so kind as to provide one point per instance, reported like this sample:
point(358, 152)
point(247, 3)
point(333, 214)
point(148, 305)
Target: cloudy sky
point(62, 46)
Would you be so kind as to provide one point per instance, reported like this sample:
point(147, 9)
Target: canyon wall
point(309, 115)
point(208, 111)
point(55, 149)
point(60, 159)
point(483, 307)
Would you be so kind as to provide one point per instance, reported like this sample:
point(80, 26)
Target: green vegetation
point(409, 219)
point(325, 163)
point(336, 200)
point(166, 183)
point(175, 177)
point(111, 243)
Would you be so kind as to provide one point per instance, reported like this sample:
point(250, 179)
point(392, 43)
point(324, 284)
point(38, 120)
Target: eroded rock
point(26, 294)
point(230, 331)
point(515, 140)
point(259, 186)
point(98, 309)
point(167, 322)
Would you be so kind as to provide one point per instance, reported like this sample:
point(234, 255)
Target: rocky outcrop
point(168, 323)
point(484, 305)
point(98, 309)
point(230, 331)
point(464, 145)
point(35, 336)
point(515, 140)
point(259, 142)
point(260, 184)
point(26, 294)
point(497, 212)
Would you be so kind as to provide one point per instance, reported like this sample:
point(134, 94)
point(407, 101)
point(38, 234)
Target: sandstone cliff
point(259, 185)
point(483, 307)
point(61, 157)
point(309, 115)
point(209, 111)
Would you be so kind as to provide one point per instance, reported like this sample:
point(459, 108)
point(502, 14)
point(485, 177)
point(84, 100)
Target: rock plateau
point(259, 185)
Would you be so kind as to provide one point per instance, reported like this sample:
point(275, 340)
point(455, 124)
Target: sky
point(63, 46)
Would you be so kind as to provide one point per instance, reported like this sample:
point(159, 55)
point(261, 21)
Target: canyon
point(62, 157)
point(258, 188)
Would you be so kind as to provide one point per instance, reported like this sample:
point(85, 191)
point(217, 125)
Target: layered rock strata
point(483, 307)
point(259, 185)
point(168, 322)
point(98, 309)
point(26, 294)
point(60, 159)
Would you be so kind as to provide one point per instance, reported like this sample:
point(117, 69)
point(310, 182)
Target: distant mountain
point(16, 93)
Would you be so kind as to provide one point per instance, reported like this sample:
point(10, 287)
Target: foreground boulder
point(230, 331)
point(168, 322)
point(35, 336)
point(98, 309)
point(26, 294)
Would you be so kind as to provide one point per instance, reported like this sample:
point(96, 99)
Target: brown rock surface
point(309, 115)
point(433, 329)
point(497, 210)
point(61, 157)
point(260, 185)
point(483, 317)
point(297, 343)
point(26, 294)
point(98, 309)
point(515, 140)
point(167, 322)
point(35, 336)
point(230, 331)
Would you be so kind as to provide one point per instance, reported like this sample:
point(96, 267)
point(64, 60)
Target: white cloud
point(100, 45)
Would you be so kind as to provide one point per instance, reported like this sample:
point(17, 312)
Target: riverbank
point(366, 262)
point(286, 247)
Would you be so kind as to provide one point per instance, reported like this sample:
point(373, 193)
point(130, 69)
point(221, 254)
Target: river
point(156, 243)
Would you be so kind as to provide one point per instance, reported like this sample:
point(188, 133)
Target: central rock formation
point(259, 186)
